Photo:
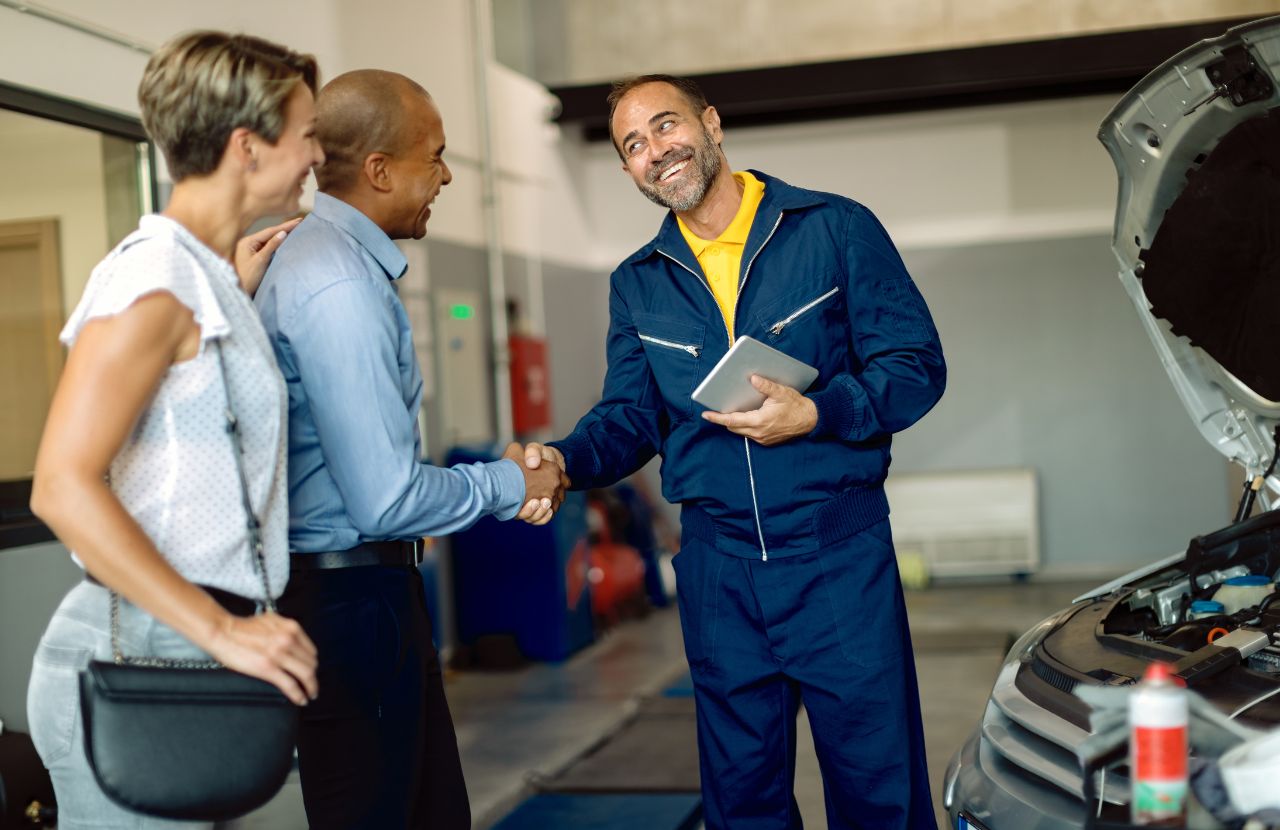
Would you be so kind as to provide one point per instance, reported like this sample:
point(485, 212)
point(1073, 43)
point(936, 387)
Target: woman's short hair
point(200, 86)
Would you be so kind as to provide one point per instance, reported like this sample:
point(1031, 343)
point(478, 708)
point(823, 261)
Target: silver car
point(1196, 145)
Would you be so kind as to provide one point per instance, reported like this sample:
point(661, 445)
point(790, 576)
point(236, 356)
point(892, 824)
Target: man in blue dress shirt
point(377, 748)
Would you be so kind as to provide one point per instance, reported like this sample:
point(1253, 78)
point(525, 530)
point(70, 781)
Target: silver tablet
point(728, 387)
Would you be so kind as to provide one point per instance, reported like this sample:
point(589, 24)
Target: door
point(30, 354)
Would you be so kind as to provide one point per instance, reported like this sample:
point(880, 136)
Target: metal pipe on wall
point(77, 24)
point(482, 34)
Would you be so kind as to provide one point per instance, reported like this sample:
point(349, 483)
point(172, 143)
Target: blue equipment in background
point(639, 534)
point(429, 570)
point(529, 583)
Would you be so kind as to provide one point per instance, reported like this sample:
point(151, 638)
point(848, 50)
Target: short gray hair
point(199, 87)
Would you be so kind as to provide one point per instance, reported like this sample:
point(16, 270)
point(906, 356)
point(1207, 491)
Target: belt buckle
point(417, 551)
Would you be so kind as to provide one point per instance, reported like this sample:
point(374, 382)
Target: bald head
point(362, 112)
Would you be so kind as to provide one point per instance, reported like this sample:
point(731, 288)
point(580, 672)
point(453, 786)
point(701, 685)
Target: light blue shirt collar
point(371, 237)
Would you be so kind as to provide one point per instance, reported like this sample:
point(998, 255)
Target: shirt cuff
point(509, 482)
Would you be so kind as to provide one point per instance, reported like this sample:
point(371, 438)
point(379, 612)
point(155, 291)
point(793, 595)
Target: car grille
point(1043, 743)
point(1053, 677)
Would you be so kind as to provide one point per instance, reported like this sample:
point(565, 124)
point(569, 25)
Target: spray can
point(1158, 749)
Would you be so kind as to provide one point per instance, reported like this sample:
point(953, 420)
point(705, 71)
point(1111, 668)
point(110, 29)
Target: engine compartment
point(1224, 586)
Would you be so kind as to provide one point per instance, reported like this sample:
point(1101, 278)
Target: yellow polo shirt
point(721, 258)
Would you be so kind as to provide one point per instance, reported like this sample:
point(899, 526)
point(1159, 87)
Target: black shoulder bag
point(188, 739)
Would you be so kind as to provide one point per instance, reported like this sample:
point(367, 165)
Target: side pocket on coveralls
point(698, 596)
point(860, 575)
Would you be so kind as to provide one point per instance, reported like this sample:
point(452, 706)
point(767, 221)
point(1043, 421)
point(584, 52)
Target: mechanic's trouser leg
point(746, 707)
point(831, 629)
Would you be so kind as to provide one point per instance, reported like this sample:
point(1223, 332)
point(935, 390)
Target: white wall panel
point(54, 59)
point(430, 42)
point(456, 215)
point(956, 177)
point(610, 39)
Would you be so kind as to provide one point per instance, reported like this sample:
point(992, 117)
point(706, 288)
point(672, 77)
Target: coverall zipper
point(746, 442)
point(670, 344)
point(777, 327)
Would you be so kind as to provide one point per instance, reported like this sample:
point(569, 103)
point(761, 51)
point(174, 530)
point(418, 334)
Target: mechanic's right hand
point(272, 648)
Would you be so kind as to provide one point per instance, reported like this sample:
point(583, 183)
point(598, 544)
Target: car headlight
point(1025, 644)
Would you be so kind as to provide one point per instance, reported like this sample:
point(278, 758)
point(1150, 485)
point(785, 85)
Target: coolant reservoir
point(1202, 608)
point(1243, 592)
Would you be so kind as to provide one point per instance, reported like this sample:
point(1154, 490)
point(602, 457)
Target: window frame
point(18, 526)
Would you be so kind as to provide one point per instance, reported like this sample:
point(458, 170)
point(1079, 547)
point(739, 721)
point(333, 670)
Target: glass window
point(70, 193)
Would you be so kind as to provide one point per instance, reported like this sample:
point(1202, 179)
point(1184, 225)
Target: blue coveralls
point(788, 585)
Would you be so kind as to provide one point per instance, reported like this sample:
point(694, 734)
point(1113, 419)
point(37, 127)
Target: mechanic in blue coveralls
point(788, 584)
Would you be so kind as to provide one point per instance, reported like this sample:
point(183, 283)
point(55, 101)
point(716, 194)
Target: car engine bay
point(1218, 606)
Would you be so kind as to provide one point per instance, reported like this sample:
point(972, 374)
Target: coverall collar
point(778, 197)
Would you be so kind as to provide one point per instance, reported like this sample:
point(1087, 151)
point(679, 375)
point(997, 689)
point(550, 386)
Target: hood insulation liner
point(1213, 269)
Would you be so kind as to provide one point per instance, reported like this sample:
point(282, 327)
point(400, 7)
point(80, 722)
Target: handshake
point(544, 480)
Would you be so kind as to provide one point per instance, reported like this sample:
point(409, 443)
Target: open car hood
point(1196, 145)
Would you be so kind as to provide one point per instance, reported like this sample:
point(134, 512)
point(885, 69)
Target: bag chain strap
point(254, 532)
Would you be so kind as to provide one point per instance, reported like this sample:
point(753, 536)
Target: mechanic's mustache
point(672, 158)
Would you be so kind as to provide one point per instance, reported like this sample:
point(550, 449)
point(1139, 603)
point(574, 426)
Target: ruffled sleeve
point(149, 260)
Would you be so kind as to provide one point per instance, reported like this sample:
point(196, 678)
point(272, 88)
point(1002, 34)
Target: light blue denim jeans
point(80, 631)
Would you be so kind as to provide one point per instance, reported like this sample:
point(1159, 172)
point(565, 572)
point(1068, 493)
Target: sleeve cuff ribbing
point(837, 412)
point(579, 459)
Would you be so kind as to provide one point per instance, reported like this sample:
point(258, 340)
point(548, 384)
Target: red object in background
point(576, 573)
point(617, 580)
point(530, 384)
point(616, 573)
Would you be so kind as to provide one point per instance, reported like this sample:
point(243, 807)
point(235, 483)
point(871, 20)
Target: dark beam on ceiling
point(1061, 67)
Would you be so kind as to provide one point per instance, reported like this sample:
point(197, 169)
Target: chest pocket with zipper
point(807, 324)
point(674, 351)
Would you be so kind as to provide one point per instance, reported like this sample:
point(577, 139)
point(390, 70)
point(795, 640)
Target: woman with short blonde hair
point(135, 472)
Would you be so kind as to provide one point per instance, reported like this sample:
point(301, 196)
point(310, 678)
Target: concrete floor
point(514, 727)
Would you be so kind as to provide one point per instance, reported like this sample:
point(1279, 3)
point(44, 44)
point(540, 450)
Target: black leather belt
point(369, 553)
point(233, 603)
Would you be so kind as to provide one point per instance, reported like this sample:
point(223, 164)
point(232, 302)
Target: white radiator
point(967, 523)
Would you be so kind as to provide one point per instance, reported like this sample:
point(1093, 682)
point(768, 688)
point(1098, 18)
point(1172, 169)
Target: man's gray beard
point(707, 165)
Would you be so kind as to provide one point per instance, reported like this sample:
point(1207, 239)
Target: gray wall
point(1049, 369)
point(33, 581)
point(576, 304)
point(577, 310)
point(463, 267)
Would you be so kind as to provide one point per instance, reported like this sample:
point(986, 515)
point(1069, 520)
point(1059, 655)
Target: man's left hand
point(785, 414)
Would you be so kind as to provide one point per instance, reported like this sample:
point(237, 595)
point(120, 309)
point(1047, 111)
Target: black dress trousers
point(377, 747)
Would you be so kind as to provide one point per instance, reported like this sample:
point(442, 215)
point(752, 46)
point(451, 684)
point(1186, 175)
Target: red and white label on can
point(1159, 753)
